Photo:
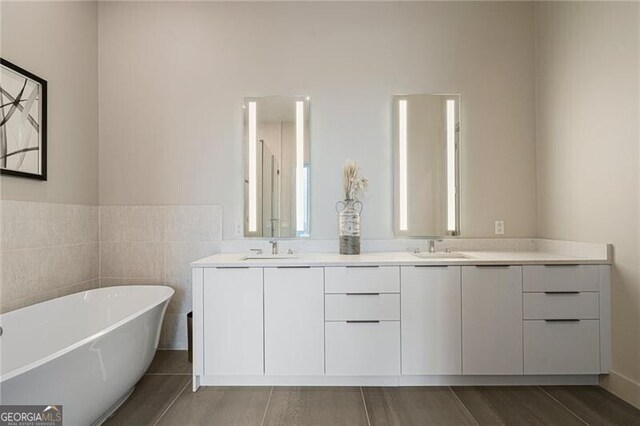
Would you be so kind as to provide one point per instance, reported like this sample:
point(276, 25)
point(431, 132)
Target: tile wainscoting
point(50, 250)
point(155, 245)
point(46, 250)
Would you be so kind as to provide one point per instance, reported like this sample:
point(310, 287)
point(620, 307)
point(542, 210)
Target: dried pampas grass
point(353, 183)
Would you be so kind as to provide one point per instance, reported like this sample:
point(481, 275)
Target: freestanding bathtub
point(84, 351)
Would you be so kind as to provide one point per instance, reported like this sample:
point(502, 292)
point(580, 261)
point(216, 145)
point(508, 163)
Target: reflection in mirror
point(426, 141)
point(276, 167)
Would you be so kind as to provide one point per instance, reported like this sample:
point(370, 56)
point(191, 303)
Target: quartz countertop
point(399, 259)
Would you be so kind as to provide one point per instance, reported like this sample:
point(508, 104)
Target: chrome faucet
point(274, 246)
point(432, 245)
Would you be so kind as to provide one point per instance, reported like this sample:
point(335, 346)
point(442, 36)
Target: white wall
point(49, 248)
point(58, 41)
point(588, 92)
point(173, 77)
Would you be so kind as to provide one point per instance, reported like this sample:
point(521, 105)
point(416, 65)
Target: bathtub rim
point(41, 361)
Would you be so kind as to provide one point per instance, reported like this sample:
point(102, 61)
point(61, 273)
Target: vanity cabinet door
point(233, 321)
point(562, 347)
point(363, 348)
point(431, 320)
point(294, 321)
point(492, 320)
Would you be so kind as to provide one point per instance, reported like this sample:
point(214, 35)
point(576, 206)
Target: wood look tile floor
point(164, 397)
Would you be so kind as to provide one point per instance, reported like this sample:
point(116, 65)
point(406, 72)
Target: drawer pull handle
point(293, 267)
point(363, 322)
point(563, 320)
point(561, 292)
point(232, 267)
point(430, 266)
point(363, 266)
point(363, 294)
point(551, 265)
point(493, 266)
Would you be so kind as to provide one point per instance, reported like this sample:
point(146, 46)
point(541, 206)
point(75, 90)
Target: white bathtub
point(84, 351)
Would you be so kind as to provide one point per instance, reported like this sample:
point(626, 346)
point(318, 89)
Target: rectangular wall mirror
point(426, 134)
point(276, 167)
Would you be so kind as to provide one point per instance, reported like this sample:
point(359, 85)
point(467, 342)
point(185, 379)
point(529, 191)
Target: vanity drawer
point(362, 306)
point(362, 349)
point(560, 306)
point(359, 279)
point(562, 347)
point(560, 278)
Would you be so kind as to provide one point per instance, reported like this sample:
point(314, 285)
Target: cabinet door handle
point(362, 321)
point(563, 320)
point(232, 267)
point(493, 266)
point(363, 294)
point(561, 292)
point(430, 266)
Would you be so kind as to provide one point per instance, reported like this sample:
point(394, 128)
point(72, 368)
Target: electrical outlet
point(498, 227)
point(237, 230)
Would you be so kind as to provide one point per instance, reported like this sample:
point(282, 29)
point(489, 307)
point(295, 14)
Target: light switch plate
point(498, 227)
point(237, 230)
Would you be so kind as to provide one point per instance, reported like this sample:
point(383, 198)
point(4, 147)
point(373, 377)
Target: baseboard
point(395, 380)
point(623, 387)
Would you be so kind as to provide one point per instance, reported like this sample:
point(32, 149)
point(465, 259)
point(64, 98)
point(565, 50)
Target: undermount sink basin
point(268, 256)
point(440, 255)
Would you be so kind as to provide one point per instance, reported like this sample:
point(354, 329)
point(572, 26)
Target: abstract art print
point(23, 122)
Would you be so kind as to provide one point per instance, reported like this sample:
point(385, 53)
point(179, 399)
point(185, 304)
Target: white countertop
point(398, 259)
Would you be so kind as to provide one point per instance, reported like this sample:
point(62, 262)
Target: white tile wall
point(386, 245)
point(132, 260)
point(46, 251)
point(50, 250)
point(155, 245)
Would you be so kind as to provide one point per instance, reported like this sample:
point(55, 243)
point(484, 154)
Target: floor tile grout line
point(264, 416)
point(562, 405)
point(172, 402)
point(464, 407)
point(366, 410)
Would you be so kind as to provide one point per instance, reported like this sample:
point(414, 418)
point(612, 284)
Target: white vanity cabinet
point(233, 327)
point(492, 320)
point(294, 321)
point(562, 319)
point(431, 320)
point(352, 322)
point(362, 314)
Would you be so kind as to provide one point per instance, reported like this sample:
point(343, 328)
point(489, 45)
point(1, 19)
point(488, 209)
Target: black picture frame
point(42, 124)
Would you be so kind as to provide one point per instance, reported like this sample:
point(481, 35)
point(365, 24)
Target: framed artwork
point(23, 122)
